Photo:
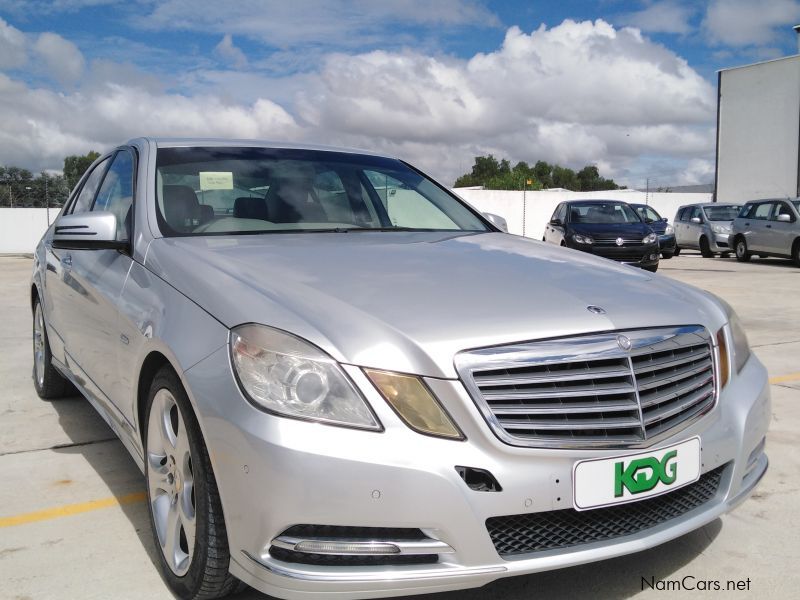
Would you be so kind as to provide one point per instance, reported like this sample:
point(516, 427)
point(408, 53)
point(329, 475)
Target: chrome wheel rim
point(740, 249)
point(38, 345)
point(171, 482)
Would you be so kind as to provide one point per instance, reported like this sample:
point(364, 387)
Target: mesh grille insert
point(538, 532)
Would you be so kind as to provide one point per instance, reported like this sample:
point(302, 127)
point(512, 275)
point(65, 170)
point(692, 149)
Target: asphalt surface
point(73, 522)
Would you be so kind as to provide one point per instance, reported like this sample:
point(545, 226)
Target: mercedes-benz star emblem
point(624, 343)
point(620, 241)
point(598, 310)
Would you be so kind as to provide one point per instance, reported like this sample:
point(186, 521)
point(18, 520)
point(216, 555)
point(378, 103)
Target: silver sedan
point(339, 379)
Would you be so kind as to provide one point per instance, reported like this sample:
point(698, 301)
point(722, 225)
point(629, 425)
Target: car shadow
point(104, 452)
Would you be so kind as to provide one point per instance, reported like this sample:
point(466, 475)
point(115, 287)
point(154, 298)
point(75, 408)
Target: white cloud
point(661, 17)
point(12, 46)
point(750, 22)
point(575, 94)
point(62, 59)
point(230, 53)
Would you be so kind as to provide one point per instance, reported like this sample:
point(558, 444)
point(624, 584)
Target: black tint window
point(116, 193)
point(84, 200)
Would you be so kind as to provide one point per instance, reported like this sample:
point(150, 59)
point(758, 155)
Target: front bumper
point(720, 242)
point(274, 473)
point(667, 243)
point(637, 255)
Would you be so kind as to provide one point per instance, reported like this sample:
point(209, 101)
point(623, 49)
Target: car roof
point(595, 201)
point(177, 142)
point(704, 204)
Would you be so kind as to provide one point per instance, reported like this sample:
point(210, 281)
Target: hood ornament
point(597, 310)
point(624, 342)
point(619, 241)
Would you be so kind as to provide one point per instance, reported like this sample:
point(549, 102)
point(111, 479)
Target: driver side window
point(116, 193)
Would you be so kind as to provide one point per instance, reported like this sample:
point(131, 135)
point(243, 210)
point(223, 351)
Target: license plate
point(622, 479)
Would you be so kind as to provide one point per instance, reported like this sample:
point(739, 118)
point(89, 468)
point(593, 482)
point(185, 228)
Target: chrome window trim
point(593, 346)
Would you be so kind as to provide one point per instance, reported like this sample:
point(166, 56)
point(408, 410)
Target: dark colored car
point(607, 228)
point(664, 231)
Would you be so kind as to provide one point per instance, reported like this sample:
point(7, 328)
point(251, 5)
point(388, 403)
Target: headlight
point(739, 348)
point(669, 230)
point(719, 229)
point(582, 239)
point(650, 238)
point(290, 377)
point(414, 403)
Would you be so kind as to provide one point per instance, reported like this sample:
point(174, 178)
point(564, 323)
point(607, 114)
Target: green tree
point(75, 166)
point(492, 174)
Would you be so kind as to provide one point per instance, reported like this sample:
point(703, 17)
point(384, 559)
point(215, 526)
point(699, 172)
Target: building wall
point(22, 228)
point(759, 131)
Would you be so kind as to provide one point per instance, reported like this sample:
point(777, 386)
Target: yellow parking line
point(785, 378)
point(70, 509)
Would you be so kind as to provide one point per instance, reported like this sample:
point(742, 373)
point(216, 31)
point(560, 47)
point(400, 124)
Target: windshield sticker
point(216, 180)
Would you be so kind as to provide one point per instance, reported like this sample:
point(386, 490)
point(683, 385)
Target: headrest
point(181, 207)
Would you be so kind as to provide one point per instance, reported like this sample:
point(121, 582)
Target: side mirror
point(87, 231)
point(556, 222)
point(665, 219)
point(784, 218)
point(696, 220)
point(497, 221)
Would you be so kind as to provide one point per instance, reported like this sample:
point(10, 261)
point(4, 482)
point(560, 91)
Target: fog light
point(653, 257)
point(328, 547)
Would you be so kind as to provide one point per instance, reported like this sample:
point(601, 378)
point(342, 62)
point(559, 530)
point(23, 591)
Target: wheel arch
point(151, 365)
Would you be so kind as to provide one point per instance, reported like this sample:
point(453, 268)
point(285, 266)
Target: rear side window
point(86, 196)
point(116, 193)
point(746, 210)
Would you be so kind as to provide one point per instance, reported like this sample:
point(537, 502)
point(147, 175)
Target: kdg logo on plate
point(620, 479)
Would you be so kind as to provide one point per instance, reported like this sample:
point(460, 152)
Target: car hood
point(659, 227)
point(409, 301)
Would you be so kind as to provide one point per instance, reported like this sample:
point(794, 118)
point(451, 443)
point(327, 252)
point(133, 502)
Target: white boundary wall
point(21, 228)
point(538, 207)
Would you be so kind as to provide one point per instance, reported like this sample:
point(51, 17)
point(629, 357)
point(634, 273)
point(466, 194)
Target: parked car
point(705, 227)
point(607, 228)
point(665, 231)
point(768, 228)
point(347, 382)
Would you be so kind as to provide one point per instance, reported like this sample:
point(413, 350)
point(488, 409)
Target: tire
point(796, 253)
point(677, 251)
point(563, 244)
point(667, 255)
point(742, 254)
point(182, 497)
point(48, 382)
point(705, 249)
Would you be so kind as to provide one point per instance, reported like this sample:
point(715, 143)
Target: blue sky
point(626, 85)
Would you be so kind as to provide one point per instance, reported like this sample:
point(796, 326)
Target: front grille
point(587, 390)
point(612, 241)
point(553, 530)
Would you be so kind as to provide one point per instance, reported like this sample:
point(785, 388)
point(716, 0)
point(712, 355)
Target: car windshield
point(725, 212)
point(603, 212)
point(218, 191)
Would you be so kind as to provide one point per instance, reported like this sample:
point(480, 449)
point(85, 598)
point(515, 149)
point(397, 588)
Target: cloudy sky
point(628, 85)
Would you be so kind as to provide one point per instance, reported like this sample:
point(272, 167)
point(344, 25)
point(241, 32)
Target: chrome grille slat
point(572, 425)
point(558, 393)
point(561, 409)
point(587, 391)
point(572, 375)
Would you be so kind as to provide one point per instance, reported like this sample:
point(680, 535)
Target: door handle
point(66, 260)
